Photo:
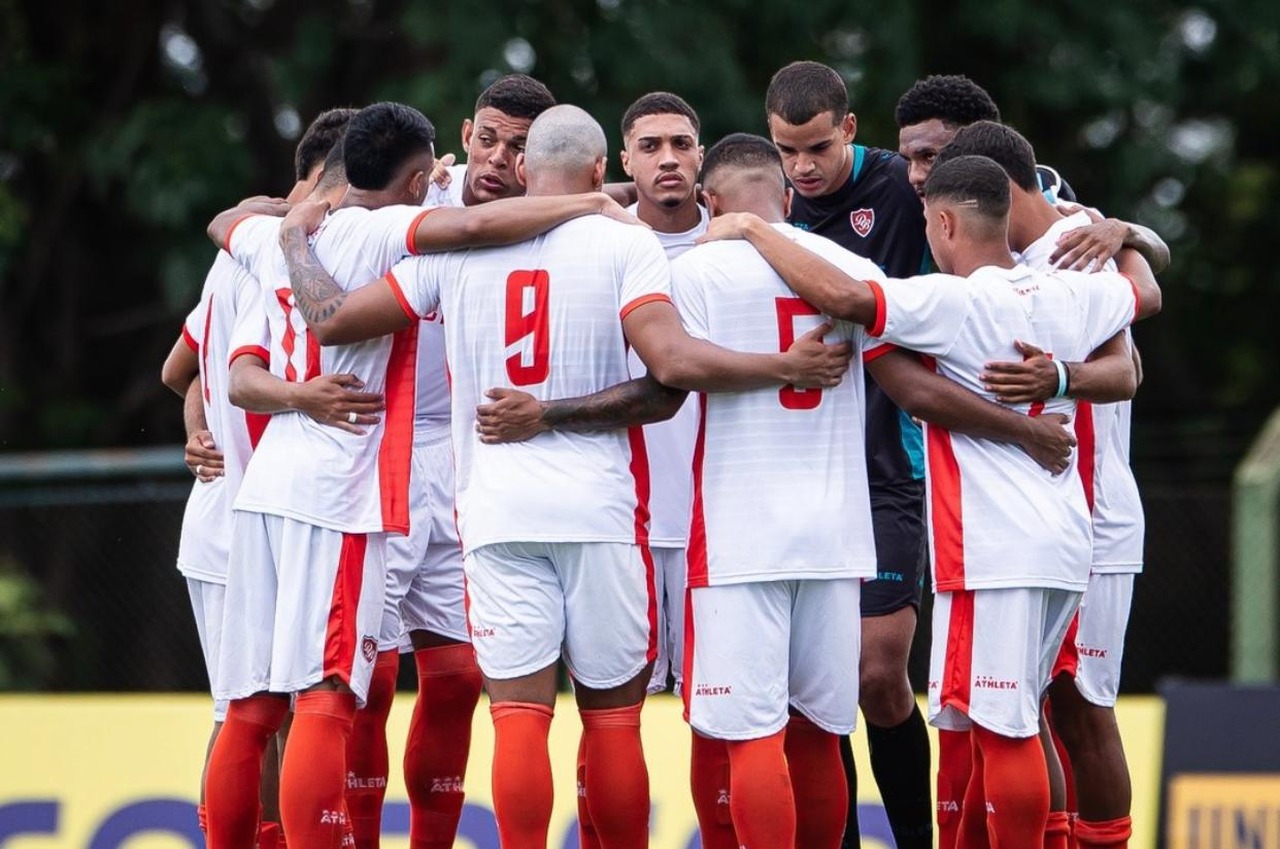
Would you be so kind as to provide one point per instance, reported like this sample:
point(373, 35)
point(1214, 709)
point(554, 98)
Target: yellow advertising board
point(1224, 811)
point(122, 772)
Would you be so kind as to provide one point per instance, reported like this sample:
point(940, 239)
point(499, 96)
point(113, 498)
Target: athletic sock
point(617, 780)
point(709, 783)
point(1108, 834)
point(367, 760)
point(522, 788)
point(1016, 787)
point(269, 834)
point(202, 820)
point(313, 778)
point(955, 763)
point(852, 836)
point(901, 763)
point(974, 832)
point(1057, 832)
point(587, 837)
point(435, 758)
point(760, 796)
point(235, 770)
point(817, 784)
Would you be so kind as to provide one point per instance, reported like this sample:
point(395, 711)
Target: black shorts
point(897, 519)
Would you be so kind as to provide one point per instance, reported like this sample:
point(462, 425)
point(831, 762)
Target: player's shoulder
point(855, 265)
point(226, 273)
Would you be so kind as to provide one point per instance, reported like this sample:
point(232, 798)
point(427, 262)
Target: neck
point(1030, 218)
point(369, 198)
point(768, 211)
point(979, 255)
point(561, 184)
point(669, 219)
point(333, 195)
point(845, 170)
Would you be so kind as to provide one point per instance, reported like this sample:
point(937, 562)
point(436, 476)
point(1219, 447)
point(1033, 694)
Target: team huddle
point(705, 431)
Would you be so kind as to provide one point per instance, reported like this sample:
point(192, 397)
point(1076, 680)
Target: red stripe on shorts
point(395, 453)
point(1068, 660)
point(686, 670)
point(957, 668)
point(640, 472)
point(340, 637)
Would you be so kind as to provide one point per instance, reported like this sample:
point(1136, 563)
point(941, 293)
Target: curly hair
point(951, 98)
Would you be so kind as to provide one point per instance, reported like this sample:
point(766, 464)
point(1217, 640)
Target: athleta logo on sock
point(712, 690)
point(949, 807)
point(1090, 651)
point(582, 790)
point(722, 797)
point(333, 817)
point(446, 784)
point(373, 782)
point(369, 648)
point(986, 682)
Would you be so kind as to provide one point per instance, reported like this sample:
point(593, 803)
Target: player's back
point(781, 478)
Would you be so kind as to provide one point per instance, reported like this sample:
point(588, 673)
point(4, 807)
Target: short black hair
point(319, 139)
point(974, 179)
point(740, 150)
point(803, 90)
point(517, 95)
point(1000, 143)
point(334, 172)
point(951, 98)
point(380, 139)
point(658, 103)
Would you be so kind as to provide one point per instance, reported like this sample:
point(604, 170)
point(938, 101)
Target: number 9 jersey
point(543, 316)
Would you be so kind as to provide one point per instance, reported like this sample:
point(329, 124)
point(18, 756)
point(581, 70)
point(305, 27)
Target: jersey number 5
point(788, 309)
point(528, 316)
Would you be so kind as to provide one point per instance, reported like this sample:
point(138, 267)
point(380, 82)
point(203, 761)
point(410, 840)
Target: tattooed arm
point(515, 416)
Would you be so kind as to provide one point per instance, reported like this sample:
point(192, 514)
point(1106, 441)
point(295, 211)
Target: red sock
point(313, 779)
point(1057, 832)
point(760, 796)
point(202, 820)
point(818, 784)
point(522, 788)
point(234, 774)
point(617, 779)
point(367, 766)
point(1016, 786)
point(709, 782)
point(587, 837)
point(269, 835)
point(955, 762)
point(1108, 834)
point(973, 810)
point(435, 758)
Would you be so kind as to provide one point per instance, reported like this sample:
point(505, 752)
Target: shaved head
point(564, 139)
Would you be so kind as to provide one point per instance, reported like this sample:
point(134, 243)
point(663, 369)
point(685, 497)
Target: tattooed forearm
point(636, 402)
point(315, 293)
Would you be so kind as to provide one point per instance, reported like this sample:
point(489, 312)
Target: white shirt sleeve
point(645, 275)
point(1109, 301)
point(925, 314)
point(250, 334)
point(389, 233)
point(416, 284)
point(253, 240)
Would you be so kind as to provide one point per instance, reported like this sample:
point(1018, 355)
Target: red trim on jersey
point(872, 354)
point(945, 510)
point(640, 473)
point(1086, 444)
point(189, 339)
point(877, 326)
point(957, 668)
point(398, 291)
point(313, 357)
point(340, 636)
point(250, 351)
point(1137, 295)
point(290, 341)
point(256, 424)
point(395, 453)
point(686, 663)
point(226, 246)
point(1068, 659)
point(409, 238)
point(204, 350)
point(632, 306)
point(697, 549)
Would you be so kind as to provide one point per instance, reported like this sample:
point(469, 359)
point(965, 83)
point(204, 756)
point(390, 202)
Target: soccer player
point(1003, 620)
point(554, 530)
point(1087, 674)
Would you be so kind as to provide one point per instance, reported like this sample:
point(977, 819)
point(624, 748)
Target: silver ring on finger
point(199, 470)
point(352, 417)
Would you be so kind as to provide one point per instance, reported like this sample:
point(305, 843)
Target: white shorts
point(991, 656)
point(303, 605)
point(207, 603)
point(670, 571)
point(424, 569)
point(752, 651)
point(526, 601)
point(1093, 648)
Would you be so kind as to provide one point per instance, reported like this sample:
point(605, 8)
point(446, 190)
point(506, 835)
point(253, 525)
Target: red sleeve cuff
point(189, 339)
point(873, 354)
point(398, 291)
point(252, 351)
point(877, 327)
point(410, 240)
point(232, 229)
point(631, 307)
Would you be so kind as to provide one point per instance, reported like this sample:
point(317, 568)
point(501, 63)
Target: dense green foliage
point(124, 126)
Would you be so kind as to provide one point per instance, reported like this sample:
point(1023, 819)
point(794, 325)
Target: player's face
point(919, 145)
point(815, 154)
point(662, 156)
point(493, 139)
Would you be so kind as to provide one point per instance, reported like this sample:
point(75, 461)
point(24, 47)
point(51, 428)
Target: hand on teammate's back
point(1049, 441)
point(263, 205)
point(731, 225)
point(1034, 378)
point(514, 416)
point(1088, 248)
point(815, 363)
point(203, 457)
point(336, 400)
point(307, 214)
point(610, 208)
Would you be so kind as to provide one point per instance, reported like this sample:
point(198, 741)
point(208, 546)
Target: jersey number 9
point(528, 315)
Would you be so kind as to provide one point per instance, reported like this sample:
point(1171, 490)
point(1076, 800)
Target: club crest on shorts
point(369, 648)
point(862, 220)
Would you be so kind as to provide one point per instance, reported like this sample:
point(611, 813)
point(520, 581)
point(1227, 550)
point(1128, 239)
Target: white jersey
point(433, 378)
point(314, 473)
point(997, 519)
point(452, 194)
point(670, 443)
point(780, 473)
point(543, 316)
point(204, 545)
point(1118, 520)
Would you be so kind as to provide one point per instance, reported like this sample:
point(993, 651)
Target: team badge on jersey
point(862, 220)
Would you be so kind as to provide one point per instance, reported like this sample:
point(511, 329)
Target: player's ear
point(597, 173)
point(467, 127)
point(520, 175)
point(626, 162)
point(849, 127)
point(787, 194)
point(712, 202)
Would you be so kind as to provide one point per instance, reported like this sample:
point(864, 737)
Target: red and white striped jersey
point(997, 519)
point(204, 544)
point(543, 316)
point(670, 443)
point(780, 474)
point(1119, 524)
point(319, 474)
